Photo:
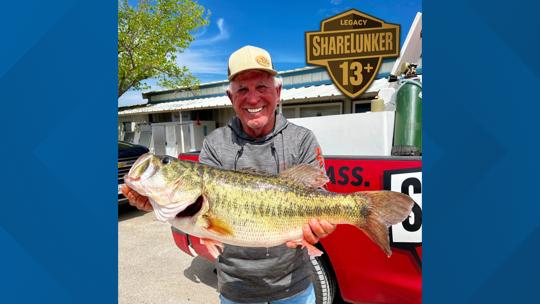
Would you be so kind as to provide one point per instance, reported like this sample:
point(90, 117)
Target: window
point(312, 110)
point(128, 126)
point(161, 117)
point(202, 115)
point(321, 110)
point(289, 112)
point(361, 106)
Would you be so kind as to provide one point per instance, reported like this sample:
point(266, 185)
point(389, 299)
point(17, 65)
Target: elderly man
point(259, 138)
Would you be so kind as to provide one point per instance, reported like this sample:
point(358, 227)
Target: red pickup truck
point(352, 267)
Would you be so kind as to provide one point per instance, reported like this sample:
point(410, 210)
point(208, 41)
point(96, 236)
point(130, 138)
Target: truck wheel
point(324, 282)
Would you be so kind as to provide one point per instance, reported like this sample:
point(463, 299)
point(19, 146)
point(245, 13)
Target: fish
point(252, 209)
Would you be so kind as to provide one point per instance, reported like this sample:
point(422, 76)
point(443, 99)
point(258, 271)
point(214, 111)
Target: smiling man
point(259, 138)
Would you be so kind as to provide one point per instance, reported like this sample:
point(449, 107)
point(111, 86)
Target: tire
point(324, 282)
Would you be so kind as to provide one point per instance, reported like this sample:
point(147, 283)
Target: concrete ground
point(151, 269)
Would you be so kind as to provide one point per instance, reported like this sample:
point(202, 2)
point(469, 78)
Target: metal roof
point(307, 69)
point(300, 94)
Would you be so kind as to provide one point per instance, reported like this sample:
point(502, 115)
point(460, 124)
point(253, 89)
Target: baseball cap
point(250, 58)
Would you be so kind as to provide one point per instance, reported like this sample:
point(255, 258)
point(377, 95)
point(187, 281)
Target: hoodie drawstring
point(238, 155)
point(276, 157)
point(283, 151)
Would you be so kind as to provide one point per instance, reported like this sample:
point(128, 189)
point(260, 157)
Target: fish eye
point(166, 160)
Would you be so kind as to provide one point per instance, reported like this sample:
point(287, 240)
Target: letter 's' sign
point(351, 46)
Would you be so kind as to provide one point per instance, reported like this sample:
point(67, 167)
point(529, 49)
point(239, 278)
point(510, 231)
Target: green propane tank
point(408, 120)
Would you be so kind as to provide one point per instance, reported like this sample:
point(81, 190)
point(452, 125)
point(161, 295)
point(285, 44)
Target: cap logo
point(262, 60)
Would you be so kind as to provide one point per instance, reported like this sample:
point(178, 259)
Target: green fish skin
point(257, 210)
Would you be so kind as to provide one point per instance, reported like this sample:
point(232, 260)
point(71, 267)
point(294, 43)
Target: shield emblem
point(351, 46)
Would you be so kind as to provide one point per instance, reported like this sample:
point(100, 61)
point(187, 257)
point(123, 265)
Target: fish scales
point(269, 210)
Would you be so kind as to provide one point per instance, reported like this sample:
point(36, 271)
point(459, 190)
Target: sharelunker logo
point(351, 46)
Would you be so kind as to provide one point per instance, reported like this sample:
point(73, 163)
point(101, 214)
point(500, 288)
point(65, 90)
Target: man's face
point(254, 99)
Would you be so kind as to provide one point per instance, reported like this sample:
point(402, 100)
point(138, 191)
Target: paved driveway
point(151, 269)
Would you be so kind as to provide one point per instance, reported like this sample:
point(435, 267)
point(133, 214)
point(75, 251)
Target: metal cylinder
point(408, 119)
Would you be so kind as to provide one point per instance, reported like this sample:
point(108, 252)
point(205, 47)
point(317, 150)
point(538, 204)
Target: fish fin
point(214, 247)
point(218, 226)
point(306, 174)
point(384, 209)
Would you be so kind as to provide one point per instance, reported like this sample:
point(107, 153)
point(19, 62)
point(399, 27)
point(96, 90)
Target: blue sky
point(277, 26)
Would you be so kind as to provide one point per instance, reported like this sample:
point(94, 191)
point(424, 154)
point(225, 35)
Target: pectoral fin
point(218, 226)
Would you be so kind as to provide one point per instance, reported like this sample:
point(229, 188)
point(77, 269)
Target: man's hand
point(135, 199)
point(313, 232)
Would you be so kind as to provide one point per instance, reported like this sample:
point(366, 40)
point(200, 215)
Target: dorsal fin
point(307, 175)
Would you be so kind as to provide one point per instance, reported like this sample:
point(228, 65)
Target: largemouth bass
point(257, 210)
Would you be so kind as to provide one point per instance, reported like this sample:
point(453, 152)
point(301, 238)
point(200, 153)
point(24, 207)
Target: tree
point(149, 36)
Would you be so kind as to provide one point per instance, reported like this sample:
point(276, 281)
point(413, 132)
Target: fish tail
point(383, 209)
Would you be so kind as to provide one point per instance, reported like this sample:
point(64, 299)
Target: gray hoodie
point(261, 274)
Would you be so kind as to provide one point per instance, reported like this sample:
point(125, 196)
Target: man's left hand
point(315, 230)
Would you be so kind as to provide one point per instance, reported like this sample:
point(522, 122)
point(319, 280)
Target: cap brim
point(269, 71)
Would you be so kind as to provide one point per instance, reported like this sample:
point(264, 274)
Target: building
point(306, 92)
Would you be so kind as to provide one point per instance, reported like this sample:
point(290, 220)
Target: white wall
point(366, 134)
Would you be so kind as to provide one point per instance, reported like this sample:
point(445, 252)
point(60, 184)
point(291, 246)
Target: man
point(259, 138)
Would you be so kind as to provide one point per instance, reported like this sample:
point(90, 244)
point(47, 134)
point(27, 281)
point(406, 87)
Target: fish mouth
point(142, 169)
point(192, 209)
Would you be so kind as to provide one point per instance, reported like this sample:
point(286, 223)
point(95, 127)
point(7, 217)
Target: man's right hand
point(135, 199)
